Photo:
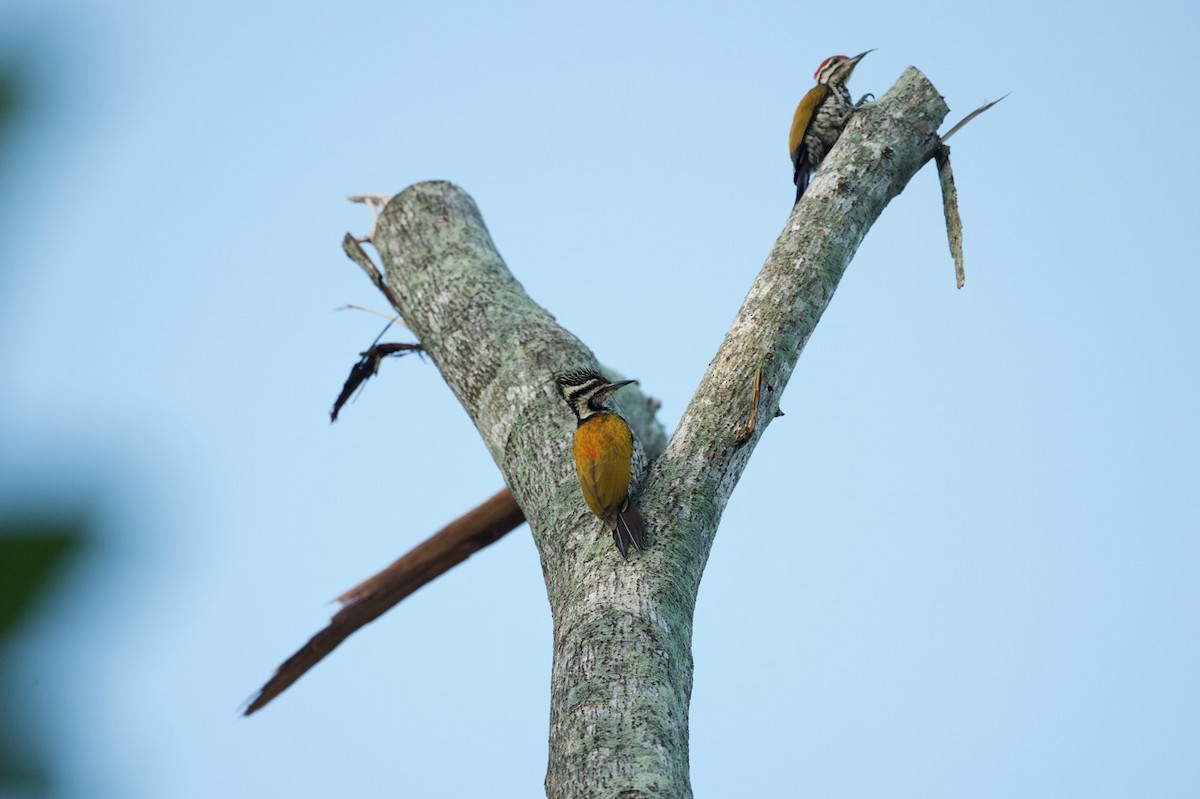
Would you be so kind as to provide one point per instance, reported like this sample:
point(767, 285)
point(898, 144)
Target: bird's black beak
point(611, 388)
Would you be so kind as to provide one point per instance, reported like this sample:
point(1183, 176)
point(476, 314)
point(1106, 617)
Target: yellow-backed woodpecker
point(820, 117)
point(607, 456)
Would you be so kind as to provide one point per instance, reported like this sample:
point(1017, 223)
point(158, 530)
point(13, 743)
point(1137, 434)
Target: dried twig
point(353, 249)
point(354, 306)
point(954, 232)
point(376, 204)
point(950, 209)
point(373, 597)
point(969, 117)
point(366, 368)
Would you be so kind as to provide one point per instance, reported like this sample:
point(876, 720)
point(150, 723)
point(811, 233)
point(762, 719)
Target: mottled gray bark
point(622, 673)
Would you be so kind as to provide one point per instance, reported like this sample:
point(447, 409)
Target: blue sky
point(963, 564)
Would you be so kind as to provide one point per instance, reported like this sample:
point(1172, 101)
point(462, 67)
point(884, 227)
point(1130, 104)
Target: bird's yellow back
point(603, 451)
point(803, 117)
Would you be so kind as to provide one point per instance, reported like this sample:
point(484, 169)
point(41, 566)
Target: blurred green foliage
point(30, 553)
point(11, 100)
point(8, 95)
point(33, 548)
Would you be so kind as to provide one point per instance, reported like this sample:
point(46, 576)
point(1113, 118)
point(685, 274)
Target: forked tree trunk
point(622, 674)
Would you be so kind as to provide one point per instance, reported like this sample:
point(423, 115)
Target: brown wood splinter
point(746, 429)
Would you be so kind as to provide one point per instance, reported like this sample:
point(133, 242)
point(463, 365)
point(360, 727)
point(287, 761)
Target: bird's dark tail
point(630, 529)
point(801, 184)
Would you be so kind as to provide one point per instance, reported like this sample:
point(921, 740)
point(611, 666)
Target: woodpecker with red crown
point(820, 117)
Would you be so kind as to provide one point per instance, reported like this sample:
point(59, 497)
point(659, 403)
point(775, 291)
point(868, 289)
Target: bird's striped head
point(837, 68)
point(586, 391)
